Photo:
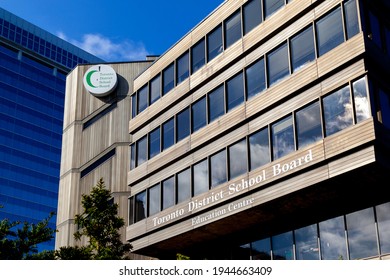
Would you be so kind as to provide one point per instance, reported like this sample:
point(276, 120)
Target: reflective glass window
point(218, 172)
point(271, 6)
point(133, 106)
point(168, 78)
point(306, 243)
point(155, 89)
point(198, 116)
point(214, 43)
point(351, 18)
point(329, 31)
point(302, 48)
point(142, 99)
point(168, 134)
point(282, 246)
point(140, 206)
point(131, 210)
point(198, 56)
point(277, 64)
point(383, 218)
point(216, 103)
point(132, 156)
point(154, 200)
point(238, 160)
point(184, 185)
point(234, 92)
point(384, 107)
point(261, 249)
point(252, 15)
point(308, 125)
point(362, 238)
point(168, 192)
point(200, 178)
point(259, 151)
point(283, 137)
point(232, 29)
point(183, 68)
point(183, 124)
point(332, 238)
point(360, 96)
point(154, 142)
point(255, 78)
point(337, 111)
point(141, 150)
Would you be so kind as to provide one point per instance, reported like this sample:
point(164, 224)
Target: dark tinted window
point(351, 18)
point(198, 56)
point(308, 125)
point(234, 92)
point(214, 43)
point(168, 79)
point(329, 32)
point(154, 142)
point(155, 89)
point(142, 99)
point(183, 69)
point(232, 29)
point(141, 150)
point(183, 124)
point(168, 133)
point(278, 65)
point(252, 15)
point(271, 6)
point(255, 78)
point(198, 116)
point(216, 103)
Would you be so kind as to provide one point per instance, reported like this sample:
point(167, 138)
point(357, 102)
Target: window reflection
point(234, 92)
point(360, 96)
point(216, 103)
point(183, 69)
point(232, 29)
point(168, 133)
point(337, 111)
point(308, 125)
point(200, 177)
point(198, 114)
point(277, 64)
point(168, 188)
point(168, 79)
point(184, 185)
point(282, 246)
point(197, 56)
point(306, 242)
point(154, 200)
point(271, 6)
point(351, 18)
point(333, 242)
point(251, 15)
point(302, 48)
point(155, 89)
point(214, 43)
point(183, 124)
point(142, 99)
point(154, 143)
point(255, 78)
point(383, 218)
point(283, 137)
point(259, 149)
point(141, 150)
point(140, 206)
point(361, 234)
point(329, 32)
point(238, 159)
point(261, 249)
point(218, 168)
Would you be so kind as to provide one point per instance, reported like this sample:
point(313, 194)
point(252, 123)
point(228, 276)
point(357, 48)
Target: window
point(238, 159)
point(277, 64)
point(271, 6)
point(133, 106)
point(282, 246)
point(361, 234)
point(200, 178)
point(332, 237)
point(283, 137)
point(168, 188)
point(329, 32)
point(214, 43)
point(306, 243)
point(308, 125)
point(141, 150)
point(302, 48)
point(154, 143)
point(183, 124)
point(184, 185)
point(218, 172)
point(183, 69)
point(255, 78)
point(383, 217)
point(360, 96)
point(232, 29)
point(337, 111)
point(234, 92)
point(198, 116)
point(154, 200)
point(155, 89)
point(197, 56)
point(168, 79)
point(168, 134)
point(259, 152)
point(132, 156)
point(261, 249)
point(351, 18)
point(140, 207)
point(142, 99)
point(252, 15)
point(216, 102)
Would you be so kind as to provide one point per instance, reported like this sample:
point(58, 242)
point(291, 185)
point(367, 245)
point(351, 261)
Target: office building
point(263, 133)
point(33, 69)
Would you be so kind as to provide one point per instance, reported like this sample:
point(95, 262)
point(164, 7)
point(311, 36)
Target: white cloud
point(108, 50)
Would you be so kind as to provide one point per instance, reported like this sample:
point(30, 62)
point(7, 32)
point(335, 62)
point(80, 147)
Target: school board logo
point(100, 80)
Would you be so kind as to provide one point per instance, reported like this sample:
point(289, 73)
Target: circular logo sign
point(100, 80)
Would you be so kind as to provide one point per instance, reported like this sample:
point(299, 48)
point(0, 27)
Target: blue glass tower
point(33, 69)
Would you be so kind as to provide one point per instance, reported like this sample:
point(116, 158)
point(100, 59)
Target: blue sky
point(115, 30)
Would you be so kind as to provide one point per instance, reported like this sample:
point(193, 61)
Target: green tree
point(20, 240)
point(99, 222)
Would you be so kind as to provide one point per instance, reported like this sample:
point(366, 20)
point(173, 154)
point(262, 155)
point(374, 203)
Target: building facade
point(33, 69)
point(261, 134)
